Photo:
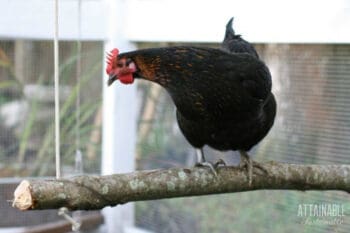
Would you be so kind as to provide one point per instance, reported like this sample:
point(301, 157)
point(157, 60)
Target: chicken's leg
point(247, 161)
point(203, 163)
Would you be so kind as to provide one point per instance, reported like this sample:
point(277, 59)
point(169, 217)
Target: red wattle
point(126, 78)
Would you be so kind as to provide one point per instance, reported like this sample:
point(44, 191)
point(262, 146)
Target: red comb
point(111, 58)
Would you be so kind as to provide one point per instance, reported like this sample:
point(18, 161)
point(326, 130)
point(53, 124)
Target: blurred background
point(306, 45)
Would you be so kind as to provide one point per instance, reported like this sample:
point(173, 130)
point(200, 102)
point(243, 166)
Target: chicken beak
point(111, 79)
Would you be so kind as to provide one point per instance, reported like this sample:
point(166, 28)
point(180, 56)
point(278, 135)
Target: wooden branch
point(96, 192)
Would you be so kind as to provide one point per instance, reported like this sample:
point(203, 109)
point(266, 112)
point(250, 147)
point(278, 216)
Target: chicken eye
point(128, 61)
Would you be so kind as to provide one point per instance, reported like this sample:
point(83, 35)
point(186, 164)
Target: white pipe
point(119, 119)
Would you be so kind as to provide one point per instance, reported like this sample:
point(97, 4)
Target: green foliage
point(36, 134)
point(67, 131)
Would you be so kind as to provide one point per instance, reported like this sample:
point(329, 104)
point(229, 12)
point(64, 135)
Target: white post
point(119, 120)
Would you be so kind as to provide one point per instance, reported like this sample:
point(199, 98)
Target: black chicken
point(223, 96)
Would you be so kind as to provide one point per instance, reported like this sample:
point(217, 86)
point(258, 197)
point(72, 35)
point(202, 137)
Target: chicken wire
point(311, 85)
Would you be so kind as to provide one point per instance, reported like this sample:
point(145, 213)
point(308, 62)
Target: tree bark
point(96, 192)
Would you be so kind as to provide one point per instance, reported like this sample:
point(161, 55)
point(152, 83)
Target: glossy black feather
point(223, 99)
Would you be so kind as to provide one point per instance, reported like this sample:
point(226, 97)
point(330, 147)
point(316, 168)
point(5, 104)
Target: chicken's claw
point(208, 165)
point(213, 167)
point(219, 162)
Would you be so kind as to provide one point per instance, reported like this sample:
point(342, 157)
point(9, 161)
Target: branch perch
point(96, 192)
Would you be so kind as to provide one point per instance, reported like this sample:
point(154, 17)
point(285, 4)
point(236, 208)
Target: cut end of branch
point(22, 196)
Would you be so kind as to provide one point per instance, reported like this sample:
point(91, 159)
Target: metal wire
point(78, 74)
point(57, 95)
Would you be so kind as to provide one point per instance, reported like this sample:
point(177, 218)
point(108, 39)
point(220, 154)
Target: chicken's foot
point(246, 161)
point(201, 162)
